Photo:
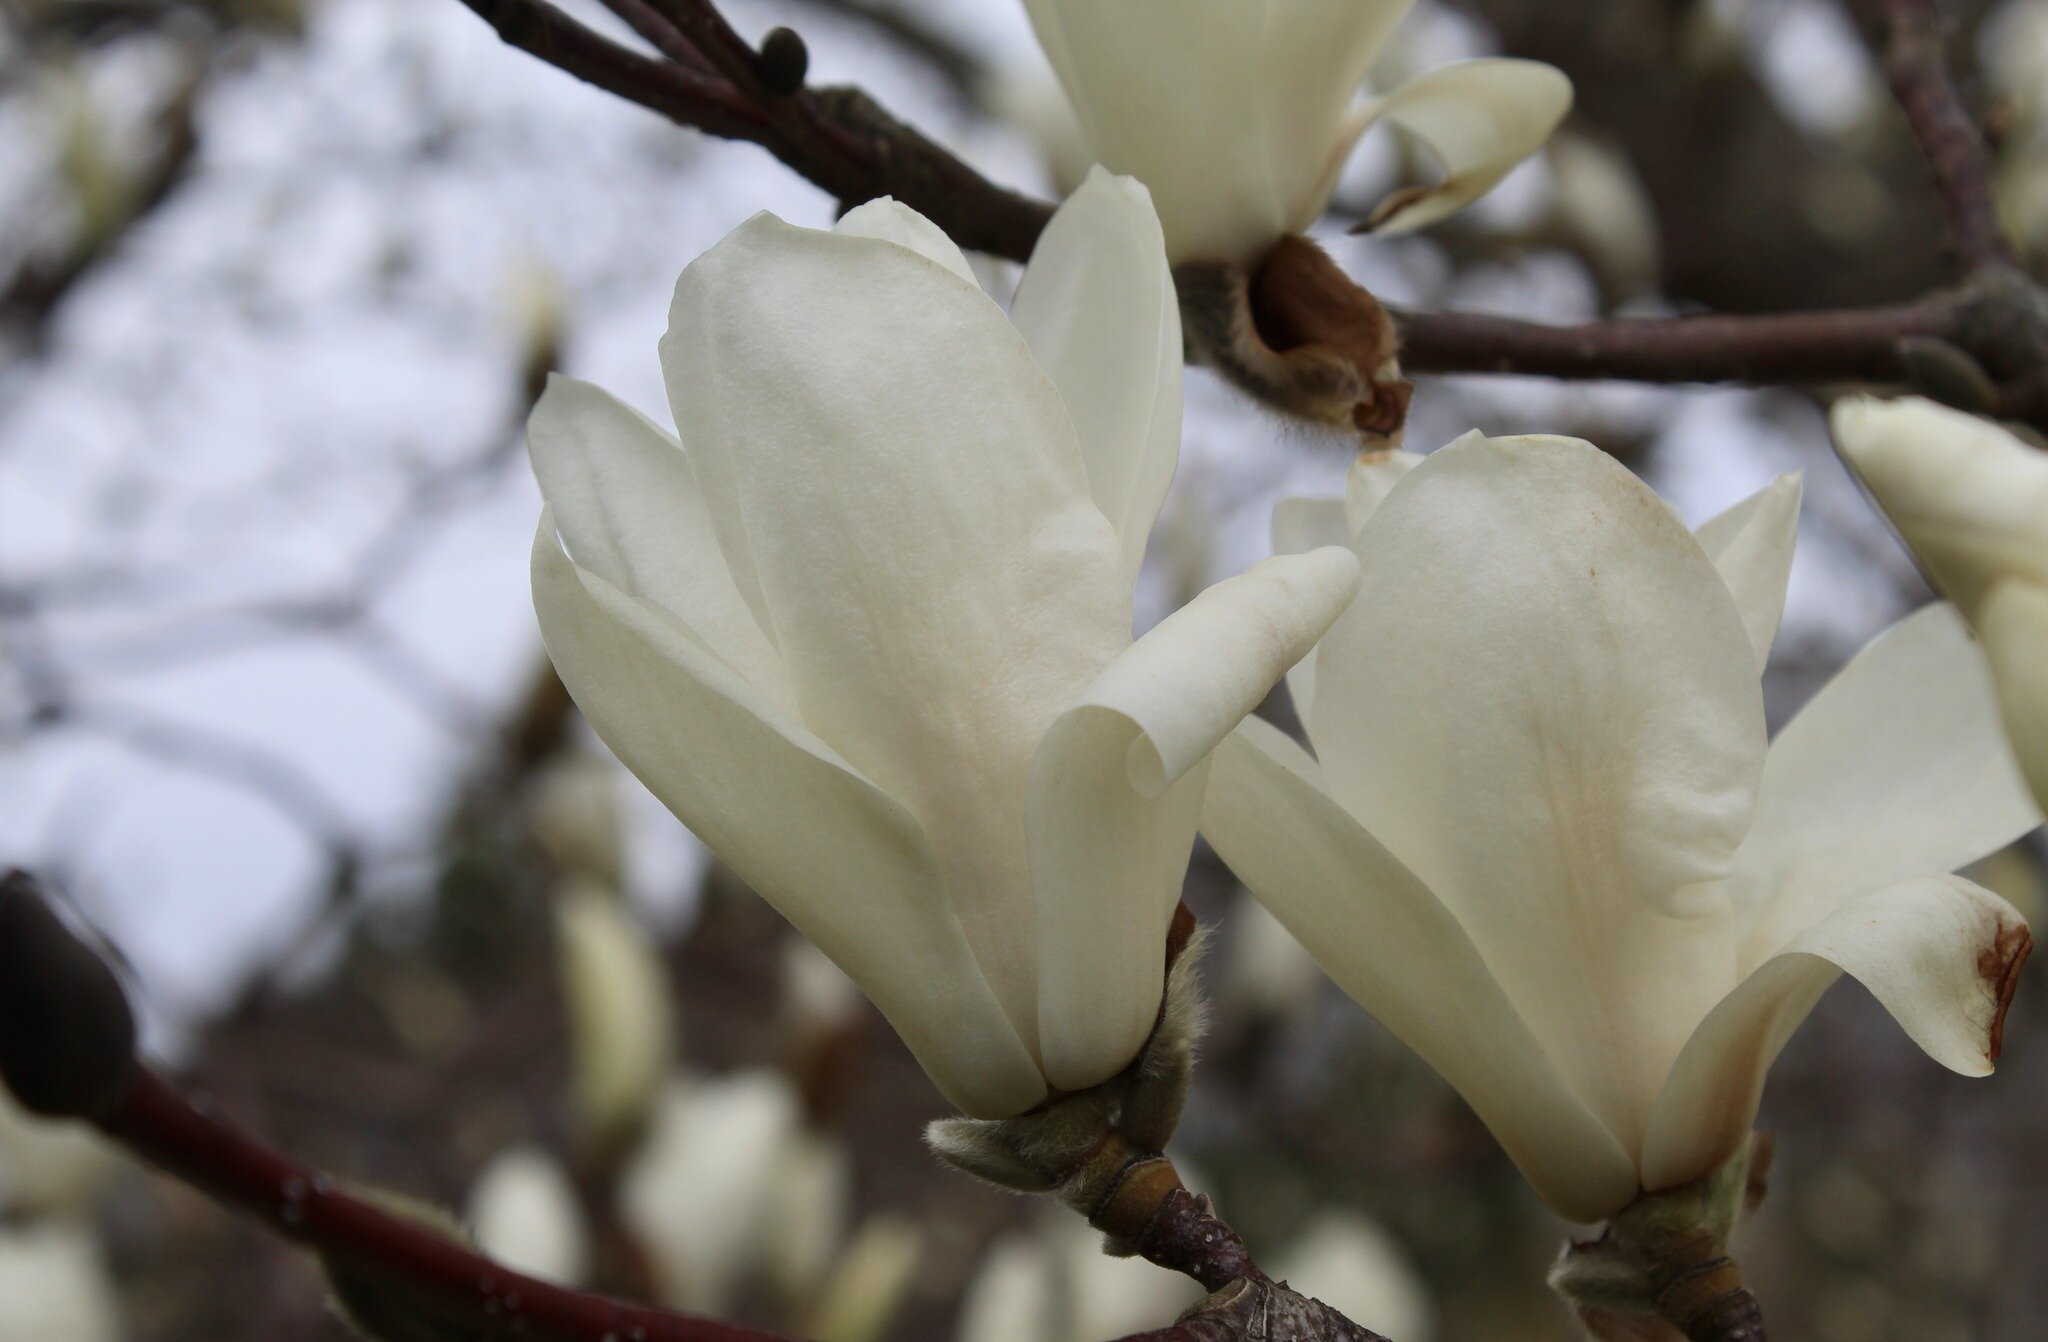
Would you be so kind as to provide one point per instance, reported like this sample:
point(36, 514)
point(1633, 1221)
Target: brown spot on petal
point(1999, 966)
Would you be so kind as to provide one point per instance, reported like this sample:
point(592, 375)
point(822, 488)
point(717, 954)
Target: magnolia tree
point(862, 619)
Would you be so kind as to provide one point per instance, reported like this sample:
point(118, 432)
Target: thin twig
point(1916, 61)
point(163, 1126)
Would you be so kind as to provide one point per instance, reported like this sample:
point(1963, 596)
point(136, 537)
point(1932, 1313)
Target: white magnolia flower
point(1239, 114)
point(1972, 501)
point(867, 629)
point(1542, 841)
point(526, 1215)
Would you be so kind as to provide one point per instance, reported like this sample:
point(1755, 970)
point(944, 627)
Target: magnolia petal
point(856, 876)
point(1168, 92)
point(1301, 525)
point(1480, 118)
point(1545, 703)
point(891, 220)
point(1313, 55)
point(628, 508)
point(1940, 953)
point(1967, 496)
point(875, 439)
point(1899, 766)
point(1751, 544)
point(2014, 625)
point(1400, 954)
point(1097, 308)
point(1116, 794)
point(1373, 476)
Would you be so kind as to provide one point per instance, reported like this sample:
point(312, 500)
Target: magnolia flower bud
point(867, 629)
point(1541, 791)
point(576, 819)
point(525, 1214)
point(869, 1283)
point(809, 1200)
point(1603, 206)
point(621, 1016)
point(55, 1287)
point(1240, 117)
point(1971, 501)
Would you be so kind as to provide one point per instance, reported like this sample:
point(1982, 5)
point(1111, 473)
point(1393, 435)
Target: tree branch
point(157, 1122)
point(845, 143)
point(1916, 61)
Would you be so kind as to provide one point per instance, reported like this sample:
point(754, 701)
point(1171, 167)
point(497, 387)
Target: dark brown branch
point(161, 1125)
point(1861, 344)
point(1916, 61)
point(845, 143)
point(660, 86)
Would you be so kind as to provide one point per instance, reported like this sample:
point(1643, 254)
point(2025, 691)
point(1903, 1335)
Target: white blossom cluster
point(863, 620)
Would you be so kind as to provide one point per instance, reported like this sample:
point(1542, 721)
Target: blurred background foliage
point(278, 280)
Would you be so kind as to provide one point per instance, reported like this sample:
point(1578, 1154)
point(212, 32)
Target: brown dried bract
point(1300, 335)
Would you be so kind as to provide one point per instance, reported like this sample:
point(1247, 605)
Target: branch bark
point(844, 142)
point(1916, 62)
point(157, 1122)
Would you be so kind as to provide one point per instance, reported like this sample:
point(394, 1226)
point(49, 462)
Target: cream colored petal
point(1939, 953)
point(2014, 625)
point(833, 853)
point(1545, 703)
point(629, 510)
point(525, 1214)
point(1751, 544)
point(1301, 525)
point(1373, 476)
point(1313, 55)
point(1969, 498)
point(1897, 767)
point(1480, 118)
point(1399, 953)
point(1097, 307)
point(1170, 92)
point(875, 438)
point(1116, 794)
point(892, 221)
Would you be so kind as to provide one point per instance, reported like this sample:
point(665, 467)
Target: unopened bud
point(67, 1035)
point(781, 63)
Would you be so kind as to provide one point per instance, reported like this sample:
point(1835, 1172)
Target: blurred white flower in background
point(1240, 114)
point(55, 1287)
point(525, 1214)
point(1541, 839)
point(1347, 1260)
point(50, 1168)
point(867, 629)
point(1263, 973)
point(1055, 1284)
point(1971, 500)
point(622, 1016)
point(730, 1190)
